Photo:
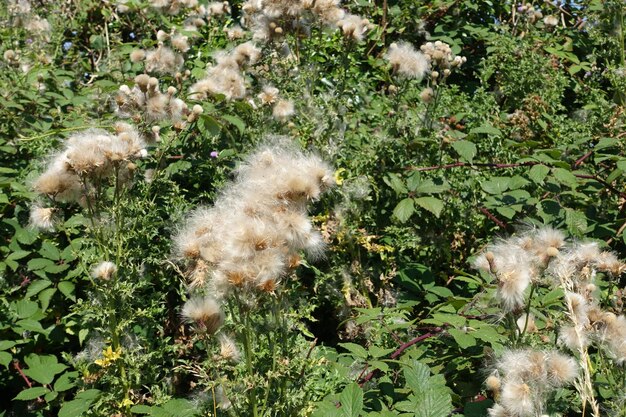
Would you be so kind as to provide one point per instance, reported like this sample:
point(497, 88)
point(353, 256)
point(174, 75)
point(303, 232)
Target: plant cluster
point(278, 208)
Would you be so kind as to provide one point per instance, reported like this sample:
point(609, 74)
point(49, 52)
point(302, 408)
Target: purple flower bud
point(214, 154)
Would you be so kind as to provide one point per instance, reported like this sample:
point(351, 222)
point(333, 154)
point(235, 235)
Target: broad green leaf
point(464, 340)
point(351, 399)
point(432, 187)
point(26, 308)
point(395, 183)
point(235, 121)
point(45, 296)
point(5, 359)
point(404, 210)
point(43, 368)
point(357, 350)
point(495, 185)
point(538, 173)
point(576, 222)
point(487, 129)
point(65, 381)
point(36, 286)
point(67, 289)
point(565, 177)
point(31, 393)
point(466, 149)
point(80, 404)
point(432, 204)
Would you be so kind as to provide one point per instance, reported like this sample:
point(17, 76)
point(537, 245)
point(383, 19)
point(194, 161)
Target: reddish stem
point(399, 351)
point(18, 368)
point(493, 218)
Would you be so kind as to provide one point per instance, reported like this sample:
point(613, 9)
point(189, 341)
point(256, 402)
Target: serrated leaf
point(49, 251)
point(395, 183)
point(432, 204)
point(31, 393)
point(67, 289)
point(357, 350)
point(65, 381)
point(351, 399)
point(565, 177)
point(235, 121)
point(37, 286)
point(495, 185)
point(467, 150)
point(6, 344)
point(5, 359)
point(38, 263)
point(43, 368)
point(464, 340)
point(432, 187)
point(576, 222)
point(538, 173)
point(26, 308)
point(404, 210)
point(80, 404)
point(487, 129)
point(45, 296)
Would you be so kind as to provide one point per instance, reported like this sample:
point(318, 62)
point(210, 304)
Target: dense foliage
point(175, 242)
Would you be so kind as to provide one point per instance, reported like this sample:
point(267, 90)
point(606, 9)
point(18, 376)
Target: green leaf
point(38, 263)
point(395, 183)
point(466, 149)
point(80, 404)
point(487, 129)
point(576, 222)
point(432, 204)
point(464, 340)
point(404, 210)
point(31, 393)
point(82, 335)
point(432, 187)
point(49, 251)
point(351, 399)
point(67, 289)
point(565, 177)
point(495, 185)
point(45, 296)
point(36, 286)
point(538, 173)
point(65, 381)
point(6, 344)
point(5, 359)
point(236, 121)
point(357, 350)
point(26, 308)
point(43, 368)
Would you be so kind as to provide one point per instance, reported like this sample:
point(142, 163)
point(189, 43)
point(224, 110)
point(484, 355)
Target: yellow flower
point(109, 356)
point(339, 176)
point(126, 403)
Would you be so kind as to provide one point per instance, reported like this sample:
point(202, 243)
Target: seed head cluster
point(92, 154)
point(522, 380)
point(254, 233)
point(146, 103)
point(406, 62)
point(227, 76)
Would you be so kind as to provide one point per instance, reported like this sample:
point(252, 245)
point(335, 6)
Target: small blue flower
point(131, 35)
point(67, 45)
point(74, 32)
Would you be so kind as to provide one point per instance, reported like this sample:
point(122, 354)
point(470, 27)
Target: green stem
point(530, 298)
point(245, 335)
